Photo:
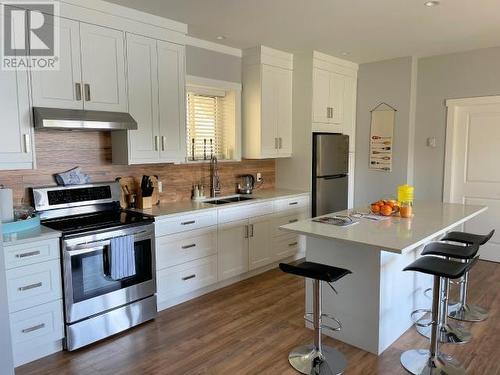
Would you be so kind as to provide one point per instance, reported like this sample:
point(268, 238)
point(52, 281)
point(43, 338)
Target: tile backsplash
point(57, 151)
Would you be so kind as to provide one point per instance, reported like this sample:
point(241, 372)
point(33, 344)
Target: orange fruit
point(375, 208)
point(386, 210)
point(390, 203)
point(380, 203)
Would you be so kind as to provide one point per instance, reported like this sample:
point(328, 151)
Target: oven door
point(88, 288)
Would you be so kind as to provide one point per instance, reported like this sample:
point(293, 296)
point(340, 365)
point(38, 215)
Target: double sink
point(230, 199)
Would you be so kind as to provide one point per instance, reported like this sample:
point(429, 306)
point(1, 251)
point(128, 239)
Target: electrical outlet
point(259, 177)
point(160, 187)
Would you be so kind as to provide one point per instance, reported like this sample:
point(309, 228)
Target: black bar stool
point(317, 359)
point(448, 332)
point(462, 310)
point(421, 361)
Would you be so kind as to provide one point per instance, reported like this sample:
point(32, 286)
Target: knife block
point(145, 202)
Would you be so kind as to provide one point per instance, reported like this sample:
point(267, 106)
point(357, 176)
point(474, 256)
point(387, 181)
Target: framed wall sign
point(383, 119)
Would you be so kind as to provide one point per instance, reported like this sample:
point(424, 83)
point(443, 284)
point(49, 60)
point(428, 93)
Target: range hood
point(75, 119)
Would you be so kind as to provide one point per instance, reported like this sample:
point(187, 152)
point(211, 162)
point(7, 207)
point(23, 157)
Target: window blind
point(205, 126)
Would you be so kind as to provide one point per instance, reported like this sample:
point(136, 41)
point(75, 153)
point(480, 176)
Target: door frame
point(453, 109)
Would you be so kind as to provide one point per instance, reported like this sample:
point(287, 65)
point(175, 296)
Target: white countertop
point(397, 235)
point(36, 234)
point(175, 208)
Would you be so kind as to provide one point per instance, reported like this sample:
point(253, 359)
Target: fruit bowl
point(385, 207)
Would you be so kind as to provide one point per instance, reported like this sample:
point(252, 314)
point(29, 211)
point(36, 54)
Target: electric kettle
point(247, 184)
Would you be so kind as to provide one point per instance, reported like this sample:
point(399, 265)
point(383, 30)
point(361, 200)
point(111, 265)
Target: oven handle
point(95, 245)
point(85, 250)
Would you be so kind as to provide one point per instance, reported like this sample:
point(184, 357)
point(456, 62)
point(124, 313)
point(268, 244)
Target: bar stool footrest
point(417, 321)
point(337, 327)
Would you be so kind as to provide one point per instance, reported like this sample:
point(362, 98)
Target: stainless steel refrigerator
point(330, 173)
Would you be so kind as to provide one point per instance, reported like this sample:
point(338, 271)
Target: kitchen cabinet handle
point(27, 143)
point(78, 91)
point(163, 143)
point(280, 143)
point(246, 231)
point(30, 254)
point(188, 246)
point(251, 230)
point(276, 143)
point(293, 203)
point(87, 92)
point(34, 328)
point(28, 287)
point(188, 222)
point(293, 221)
point(293, 244)
point(156, 142)
point(189, 277)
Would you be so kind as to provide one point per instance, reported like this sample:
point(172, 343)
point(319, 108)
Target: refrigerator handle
point(332, 177)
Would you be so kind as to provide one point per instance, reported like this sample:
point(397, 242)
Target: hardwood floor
point(249, 327)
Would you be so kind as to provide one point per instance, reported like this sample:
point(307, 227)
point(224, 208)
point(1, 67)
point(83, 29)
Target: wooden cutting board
point(134, 186)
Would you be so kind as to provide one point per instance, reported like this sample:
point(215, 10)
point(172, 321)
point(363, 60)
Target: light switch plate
point(259, 177)
point(431, 142)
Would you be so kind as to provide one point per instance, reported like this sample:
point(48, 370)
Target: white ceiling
point(368, 30)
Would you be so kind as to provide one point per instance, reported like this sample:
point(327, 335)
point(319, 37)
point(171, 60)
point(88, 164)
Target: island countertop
point(396, 234)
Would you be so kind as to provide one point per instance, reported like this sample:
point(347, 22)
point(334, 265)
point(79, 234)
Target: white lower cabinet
point(197, 250)
point(34, 289)
point(233, 248)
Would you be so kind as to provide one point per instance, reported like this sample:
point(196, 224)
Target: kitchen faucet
point(214, 177)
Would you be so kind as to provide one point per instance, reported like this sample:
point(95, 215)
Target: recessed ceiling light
point(431, 3)
point(345, 53)
point(220, 37)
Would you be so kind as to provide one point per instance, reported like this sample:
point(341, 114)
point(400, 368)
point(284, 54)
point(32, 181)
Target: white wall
point(392, 82)
point(202, 62)
point(460, 75)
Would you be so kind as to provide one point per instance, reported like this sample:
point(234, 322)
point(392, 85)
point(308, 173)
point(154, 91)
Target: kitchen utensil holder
point(145, 202)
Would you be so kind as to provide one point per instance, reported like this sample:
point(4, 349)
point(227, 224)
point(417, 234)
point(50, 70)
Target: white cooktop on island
point(395, 234)
point(374, 303)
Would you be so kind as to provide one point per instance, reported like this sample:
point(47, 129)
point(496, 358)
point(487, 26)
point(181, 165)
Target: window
point(212, 120)
point(205, 126)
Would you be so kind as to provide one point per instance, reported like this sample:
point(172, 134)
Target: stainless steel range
point(97, 303)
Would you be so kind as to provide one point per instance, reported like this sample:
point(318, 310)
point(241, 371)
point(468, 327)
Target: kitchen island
point(375, 302)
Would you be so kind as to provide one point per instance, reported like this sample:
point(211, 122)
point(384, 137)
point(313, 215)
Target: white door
point(337, 89)
point(269, 116)
point(103, 68)
point(232, 239)
point(142, 69)
point(15, 141)
point(172, 102)
point(321, 95)
point(284, 102)
point(472, 175)
point(61, 88)
point(260, 241)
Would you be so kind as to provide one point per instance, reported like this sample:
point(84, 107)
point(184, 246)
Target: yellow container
point(405, 193)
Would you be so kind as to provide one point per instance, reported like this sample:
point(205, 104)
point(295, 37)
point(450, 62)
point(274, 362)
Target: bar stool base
point(307, 360)
point(418, 362)
point(467, 313)
point(448, 333)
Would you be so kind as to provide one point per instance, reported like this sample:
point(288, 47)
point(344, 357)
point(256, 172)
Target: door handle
point(27, 143)
point(251, 230)
point(87, 92)
point(78, 91)
point(276, 143)
point(156, 142)
point(280, 143)
point(163, 143)
point(246, 231)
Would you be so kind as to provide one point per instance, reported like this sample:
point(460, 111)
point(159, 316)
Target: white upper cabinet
point(142, 69)
point(267, 103)
point(61, 88)
point(156, 96)
point(328, 96)
point(15, 142)
point(92, 71)
point(103, 68)
point(171, 81)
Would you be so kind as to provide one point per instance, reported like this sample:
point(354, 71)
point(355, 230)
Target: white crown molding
point(211, 46)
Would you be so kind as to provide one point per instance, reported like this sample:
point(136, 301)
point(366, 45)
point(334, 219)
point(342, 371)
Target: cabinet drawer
point(227, 215)
point(185, 222)
point(286, 246)
point(33, 285)
point(295, 203)
point(287, 219)
point(184, 247)
point(187, 277)
point(26, 254)
point(37, 324)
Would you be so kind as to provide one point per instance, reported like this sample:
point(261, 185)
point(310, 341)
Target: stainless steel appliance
point(330, 173)
point(68, 119)
point(95, 304)
point(247, 184)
